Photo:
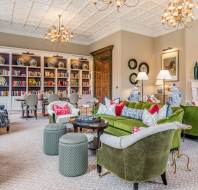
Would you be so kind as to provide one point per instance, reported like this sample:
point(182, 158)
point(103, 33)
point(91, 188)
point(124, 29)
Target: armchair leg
point(35, 113)
point(99, 169)
point(8, 129)
point(135, 186)
point(163, 176)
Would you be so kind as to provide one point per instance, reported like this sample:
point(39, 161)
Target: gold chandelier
point(59, 33)
point(104, 4)
point(179, 13)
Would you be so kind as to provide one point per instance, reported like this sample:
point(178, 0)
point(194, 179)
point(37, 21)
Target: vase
point(196, 71)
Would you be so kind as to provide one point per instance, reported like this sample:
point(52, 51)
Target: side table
point(178, 153)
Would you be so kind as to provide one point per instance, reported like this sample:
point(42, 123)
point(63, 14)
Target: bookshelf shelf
point(42, 72)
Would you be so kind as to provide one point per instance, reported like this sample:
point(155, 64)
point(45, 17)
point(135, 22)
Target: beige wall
point(127, 45)
point(11, 40)
point(191, 49)
point(174, 40)
point(115, 40)
point(141, 48)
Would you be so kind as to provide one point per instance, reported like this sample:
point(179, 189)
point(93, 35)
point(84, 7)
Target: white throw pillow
point(108, 110)
point(149, 119)
point(102, 109)
point(111, 110)
point(162, 112)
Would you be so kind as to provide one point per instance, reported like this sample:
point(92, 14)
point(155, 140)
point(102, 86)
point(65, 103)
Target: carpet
point(24, 166)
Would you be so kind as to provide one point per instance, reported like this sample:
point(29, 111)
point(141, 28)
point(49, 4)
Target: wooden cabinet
point(103, 73)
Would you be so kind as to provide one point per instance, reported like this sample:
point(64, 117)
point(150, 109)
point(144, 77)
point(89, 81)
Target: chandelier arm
point(136, 3)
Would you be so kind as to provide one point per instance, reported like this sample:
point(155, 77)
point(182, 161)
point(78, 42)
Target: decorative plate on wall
point(132, 63)
point(132, 78)
point(144, 67)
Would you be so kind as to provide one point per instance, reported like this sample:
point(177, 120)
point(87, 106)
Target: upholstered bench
point(73, 154)
point(52, 133)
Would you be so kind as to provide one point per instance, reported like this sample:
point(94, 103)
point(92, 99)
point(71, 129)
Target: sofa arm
point(128, 140)
point(111, 141)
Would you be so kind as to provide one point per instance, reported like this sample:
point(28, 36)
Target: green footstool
point(52, 133)
point(73, 154)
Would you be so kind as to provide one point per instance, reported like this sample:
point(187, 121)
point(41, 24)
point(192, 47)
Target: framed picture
point(170, 61)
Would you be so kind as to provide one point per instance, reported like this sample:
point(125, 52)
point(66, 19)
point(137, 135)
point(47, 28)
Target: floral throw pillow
point(61, 110)
point(108, 110)
point(132, 113)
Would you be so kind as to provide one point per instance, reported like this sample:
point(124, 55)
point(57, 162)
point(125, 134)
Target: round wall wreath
point(132, 64)
point(143, 67)
point(132, 78)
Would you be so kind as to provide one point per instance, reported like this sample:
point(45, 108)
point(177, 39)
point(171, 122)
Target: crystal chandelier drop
point(178, 13)
point(104, 4)
point(59, 33)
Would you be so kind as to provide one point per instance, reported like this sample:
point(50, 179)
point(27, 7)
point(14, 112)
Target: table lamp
point(142, 76)
point(164, 75)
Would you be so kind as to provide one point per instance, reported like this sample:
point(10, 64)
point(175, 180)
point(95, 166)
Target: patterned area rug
point(23, 166)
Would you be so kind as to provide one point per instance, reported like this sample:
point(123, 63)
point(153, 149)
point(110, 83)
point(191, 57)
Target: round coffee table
point(98, 126)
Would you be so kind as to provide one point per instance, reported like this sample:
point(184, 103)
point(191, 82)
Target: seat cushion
point(116, 132)
point(110, 119)
point(54, 127)
point(73, 138)
point(128, 124)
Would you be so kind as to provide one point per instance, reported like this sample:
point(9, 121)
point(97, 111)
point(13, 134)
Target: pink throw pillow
point(136, 130)
point(61, 110)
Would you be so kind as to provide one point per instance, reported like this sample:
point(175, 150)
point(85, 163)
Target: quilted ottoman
point(73, 154)
point(52, 133)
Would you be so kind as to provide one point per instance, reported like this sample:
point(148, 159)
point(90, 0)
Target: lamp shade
point(142, 76)
point(164, 75)
point(159, 83)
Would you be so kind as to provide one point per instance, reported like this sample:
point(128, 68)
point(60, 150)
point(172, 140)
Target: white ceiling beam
point(78, 12)
point(119, 16)
point(28, 16)
point(69, 3)
point(12, 14)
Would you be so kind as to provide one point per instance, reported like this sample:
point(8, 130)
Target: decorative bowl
point(20, 61)
point(61, 64)
point(33, 62)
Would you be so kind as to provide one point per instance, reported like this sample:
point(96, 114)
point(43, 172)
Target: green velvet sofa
point(140, 161)
point(120, 126)
point(191, 118)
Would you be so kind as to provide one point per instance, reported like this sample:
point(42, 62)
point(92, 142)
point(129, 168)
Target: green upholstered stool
point(52, 133)
point(73, 154)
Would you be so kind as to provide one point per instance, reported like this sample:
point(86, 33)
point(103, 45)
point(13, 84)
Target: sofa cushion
point(132, 113)
point(118, 108)
point(108, 110)
point(110, 119)
point(116, 132)
point(149, 119)
point(128, 124)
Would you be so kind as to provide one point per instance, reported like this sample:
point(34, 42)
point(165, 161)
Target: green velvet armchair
point(191, 118)
point(137, 157)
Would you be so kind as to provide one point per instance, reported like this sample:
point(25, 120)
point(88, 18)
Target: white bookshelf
point(62, 76)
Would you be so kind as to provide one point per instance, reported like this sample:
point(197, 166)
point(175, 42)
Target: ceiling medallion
point(178, 13)
point(59, 33)
point(102, 5)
